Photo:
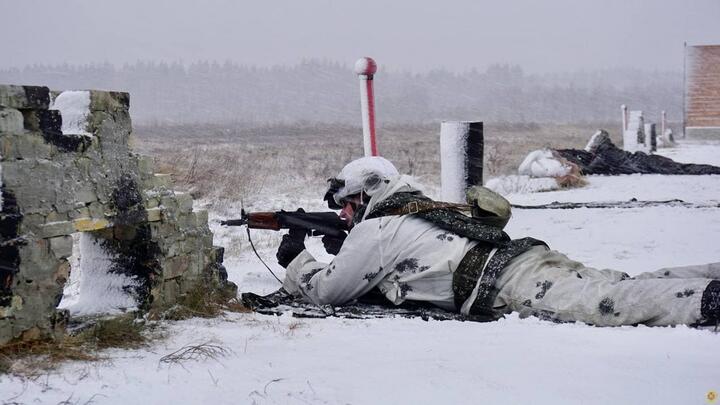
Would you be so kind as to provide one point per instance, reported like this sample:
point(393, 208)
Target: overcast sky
point(417, 35)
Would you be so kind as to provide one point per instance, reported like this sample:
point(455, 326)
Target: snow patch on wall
point(74, 106)
point(542, 163)
point(92, 288)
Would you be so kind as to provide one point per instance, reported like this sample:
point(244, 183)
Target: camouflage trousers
point(546, 284)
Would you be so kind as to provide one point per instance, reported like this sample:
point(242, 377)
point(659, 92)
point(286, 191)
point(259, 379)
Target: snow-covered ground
point(335, 361)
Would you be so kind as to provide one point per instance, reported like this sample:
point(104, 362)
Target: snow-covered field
point(335, 361)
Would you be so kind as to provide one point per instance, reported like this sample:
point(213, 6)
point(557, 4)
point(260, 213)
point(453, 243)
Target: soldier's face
point(350, 205)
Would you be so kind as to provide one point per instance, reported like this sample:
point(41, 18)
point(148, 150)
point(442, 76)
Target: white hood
point(395, 184)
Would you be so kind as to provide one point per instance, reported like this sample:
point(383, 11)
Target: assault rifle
point(313, 223)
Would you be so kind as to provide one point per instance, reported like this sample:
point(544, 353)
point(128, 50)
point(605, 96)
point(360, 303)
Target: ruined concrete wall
point(86, 179)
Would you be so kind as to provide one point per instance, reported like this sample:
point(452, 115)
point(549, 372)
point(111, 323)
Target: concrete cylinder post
point(623, 108)
point(663, 120)
point(461, 158)
point(634, 136)
point(650, 138)
point(365, 69)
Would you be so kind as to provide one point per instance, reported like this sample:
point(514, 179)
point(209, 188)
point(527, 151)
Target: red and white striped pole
point(365, 69)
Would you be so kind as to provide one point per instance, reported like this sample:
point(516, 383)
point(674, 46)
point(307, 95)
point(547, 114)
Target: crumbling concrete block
point(67, 170)
point(90, 224)
point(161, 180)
point(59, 228)
point(185, 202)
point(25, 97)
point(155, 214)
point(61, 246)
point(11, 120)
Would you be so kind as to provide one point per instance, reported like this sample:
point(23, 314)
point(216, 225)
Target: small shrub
point(200, 352)
point(123, 332)
point(203, 302)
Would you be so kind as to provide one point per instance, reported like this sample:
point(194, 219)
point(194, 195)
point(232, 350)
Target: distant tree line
point(327, 92)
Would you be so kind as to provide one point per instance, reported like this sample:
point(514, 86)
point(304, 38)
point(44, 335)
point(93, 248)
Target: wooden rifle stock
point(263, 220)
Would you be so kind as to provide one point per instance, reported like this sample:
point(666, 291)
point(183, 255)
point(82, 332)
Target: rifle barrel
point(234, 222)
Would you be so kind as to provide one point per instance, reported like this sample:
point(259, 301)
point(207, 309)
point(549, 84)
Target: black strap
point(468, 272)
point(446, 218)
point(418, 206)
point(485, 280)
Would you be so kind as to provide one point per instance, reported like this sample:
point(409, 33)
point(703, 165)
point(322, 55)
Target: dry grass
point(235, 305)
point(199, 352)
point(31, 359)
point(202, 302)
point(34, 358)
point(243, 163)
point(123, 332)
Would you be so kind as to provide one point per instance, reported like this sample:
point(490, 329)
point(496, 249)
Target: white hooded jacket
point(406, 257)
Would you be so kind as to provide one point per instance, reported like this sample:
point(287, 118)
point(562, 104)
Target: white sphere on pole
point(365, 66)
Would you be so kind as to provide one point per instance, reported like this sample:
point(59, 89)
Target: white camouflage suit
point(409, 258)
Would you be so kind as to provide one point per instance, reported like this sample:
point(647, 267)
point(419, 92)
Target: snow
point(536, 173)
point(92, 289)
point(692, 151)
point(695, 189)
point(453, 152)
point(338, 361)
point(74, 107)
point(543, 163)
point(514, 184)
point(666, 140)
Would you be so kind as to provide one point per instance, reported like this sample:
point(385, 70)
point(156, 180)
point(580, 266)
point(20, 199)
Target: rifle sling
point(418, 206)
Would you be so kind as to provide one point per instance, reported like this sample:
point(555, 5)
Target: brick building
point(702, 90)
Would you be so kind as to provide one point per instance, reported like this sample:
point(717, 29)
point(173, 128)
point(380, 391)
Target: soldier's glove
point(292, 244)
point(333, 245)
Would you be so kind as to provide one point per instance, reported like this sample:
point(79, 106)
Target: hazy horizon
point(416, 36)
point(326, 92)
point(348, 65)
